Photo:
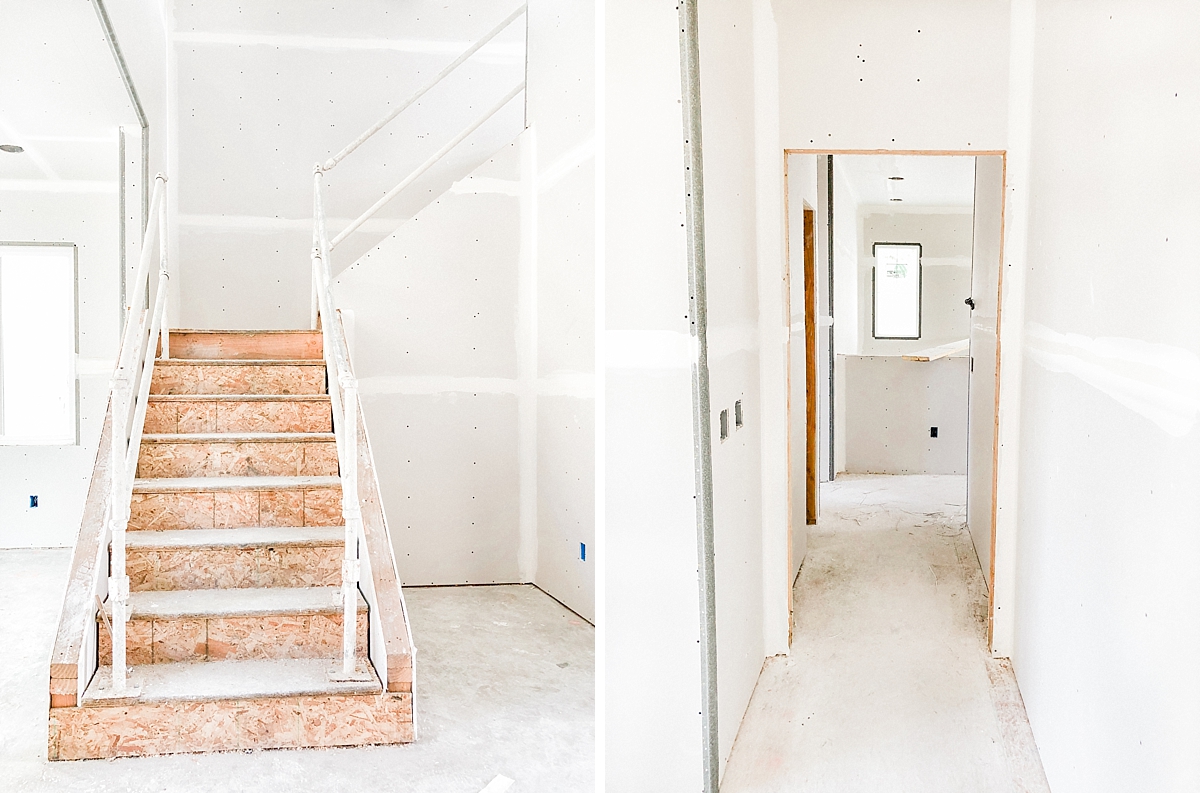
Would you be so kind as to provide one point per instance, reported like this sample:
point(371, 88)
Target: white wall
point(62, 99)
point(651, 630)
point(945, 239)
point(891, 404)
point(727, 107)
point(435, 320)
point(1106, 627)
point(264, 90)
point(842, 86)
point(562, 111)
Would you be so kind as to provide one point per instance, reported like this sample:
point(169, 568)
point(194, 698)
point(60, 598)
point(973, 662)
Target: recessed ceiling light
point(896, 178)
point(11, 148)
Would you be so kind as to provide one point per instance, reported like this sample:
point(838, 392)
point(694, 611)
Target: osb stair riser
point(242, 344)
point(191, 413)
point(238, 377)
point(174, 639)
point(214, 726)
point(226, 566)
point(215, 509)
point(252, 454)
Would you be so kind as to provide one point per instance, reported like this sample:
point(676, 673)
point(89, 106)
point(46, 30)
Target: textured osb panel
point(236, 508)
point(281, 508)
point(161, 417)
point(196, 416)
point(268, 723)
point(158, 569)
point(168, 640)
point(323, 507)
point(303, 636)
point(238, 379)
point(138, 641)
point(246, 345)
point(244, 458)
point(224, 510)
point(274, 417)
point(179, 640)
point(162, 511)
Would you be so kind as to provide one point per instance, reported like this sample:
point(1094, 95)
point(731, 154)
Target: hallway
point(888, 687)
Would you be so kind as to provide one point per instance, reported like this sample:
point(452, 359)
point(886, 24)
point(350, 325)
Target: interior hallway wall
point(1106, 625)
point(262, 91)
point(650, 624)
point(728, 116)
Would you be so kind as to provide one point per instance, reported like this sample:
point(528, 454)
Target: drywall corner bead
point(1157, 381)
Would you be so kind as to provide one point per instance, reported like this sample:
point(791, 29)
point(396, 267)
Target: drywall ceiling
point(61, 96)
point(926, 180)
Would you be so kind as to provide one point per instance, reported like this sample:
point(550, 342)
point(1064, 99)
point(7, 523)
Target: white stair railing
point(343, 387)
point(146, 330)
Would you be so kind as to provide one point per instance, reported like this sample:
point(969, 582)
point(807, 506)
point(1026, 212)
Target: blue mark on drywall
point(583, 552)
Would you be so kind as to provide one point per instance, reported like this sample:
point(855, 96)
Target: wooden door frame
point(811, 469)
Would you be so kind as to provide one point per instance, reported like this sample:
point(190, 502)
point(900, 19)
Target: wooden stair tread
point(197, 681)
point(205, 484)
point(238, 437)
point(246, 602)
point(244, 537)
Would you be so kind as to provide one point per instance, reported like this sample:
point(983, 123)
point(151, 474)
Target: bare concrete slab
point(889, 685)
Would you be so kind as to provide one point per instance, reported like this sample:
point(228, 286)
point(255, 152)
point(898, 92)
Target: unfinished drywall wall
point(562, 115)
point(1106, 627)
point(842, 86)
point(651, 612)
point(435, 313)
point(945, 239)
point(892, 408)
point(727, 106)
point(62, 99)
point(263, 92)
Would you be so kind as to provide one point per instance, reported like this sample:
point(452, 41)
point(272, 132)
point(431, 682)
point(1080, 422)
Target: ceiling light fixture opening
point(11, 148)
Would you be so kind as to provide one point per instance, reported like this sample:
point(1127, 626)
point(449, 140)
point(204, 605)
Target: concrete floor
point(889, 686)
point(505, 680)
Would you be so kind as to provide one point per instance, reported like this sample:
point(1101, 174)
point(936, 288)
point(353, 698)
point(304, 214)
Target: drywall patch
point(1157, 381)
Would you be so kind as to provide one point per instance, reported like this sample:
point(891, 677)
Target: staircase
point(234, 553)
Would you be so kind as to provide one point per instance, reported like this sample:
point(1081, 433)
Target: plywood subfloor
point(889, 686)
point(506, 686)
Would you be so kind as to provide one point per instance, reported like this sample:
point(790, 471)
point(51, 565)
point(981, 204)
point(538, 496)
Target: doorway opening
point(893, 345)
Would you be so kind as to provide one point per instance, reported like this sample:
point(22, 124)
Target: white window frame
point(874, 287)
